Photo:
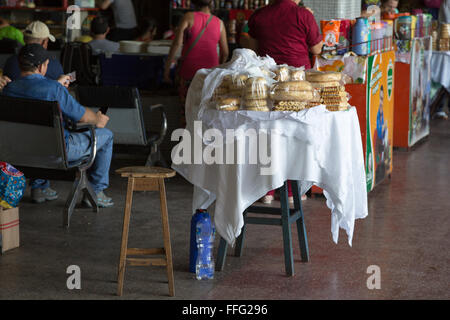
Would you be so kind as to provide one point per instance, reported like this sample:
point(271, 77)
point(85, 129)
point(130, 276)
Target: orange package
point(330, 32)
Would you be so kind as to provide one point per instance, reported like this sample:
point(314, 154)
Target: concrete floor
point(406, 235)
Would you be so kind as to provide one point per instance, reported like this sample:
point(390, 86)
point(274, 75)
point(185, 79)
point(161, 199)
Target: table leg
point(287, 237)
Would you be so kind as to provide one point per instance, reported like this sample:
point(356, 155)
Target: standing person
point(287, 33)
point(125, 18)
point(199, 49)
point(444, 17)
point(33, 61)
point(35, 32)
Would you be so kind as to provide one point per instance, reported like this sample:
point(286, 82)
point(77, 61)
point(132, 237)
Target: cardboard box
point(9, 228)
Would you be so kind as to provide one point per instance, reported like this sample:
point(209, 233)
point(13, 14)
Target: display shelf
point(38, 9)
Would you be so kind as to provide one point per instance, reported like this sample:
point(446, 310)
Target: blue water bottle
point(205, 233)
point(199, 213)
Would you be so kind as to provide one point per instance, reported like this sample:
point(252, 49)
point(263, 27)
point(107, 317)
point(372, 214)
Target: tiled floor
point(406, 235)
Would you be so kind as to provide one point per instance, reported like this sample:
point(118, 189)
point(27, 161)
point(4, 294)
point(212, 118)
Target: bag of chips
point(331, 32)
point(12, 186)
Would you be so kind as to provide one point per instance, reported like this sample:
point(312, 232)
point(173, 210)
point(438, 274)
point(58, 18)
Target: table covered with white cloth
point(440, 68)
point(313, 146)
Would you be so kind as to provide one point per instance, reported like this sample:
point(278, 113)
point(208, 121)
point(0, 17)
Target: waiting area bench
point(32, 140)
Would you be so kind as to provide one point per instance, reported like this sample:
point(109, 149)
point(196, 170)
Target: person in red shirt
point(288, 33)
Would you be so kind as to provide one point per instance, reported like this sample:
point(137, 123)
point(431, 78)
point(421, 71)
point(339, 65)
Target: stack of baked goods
point(228, 94)
point(331, 91)
point(255, 95)
point(228, 103)
point(282, 74)
point(293, 96)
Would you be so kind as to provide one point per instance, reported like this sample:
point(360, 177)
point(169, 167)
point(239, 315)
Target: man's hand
point(4, 80)
point(102, 120)
point(166, 78)
point(64, 80)
point(309, 9)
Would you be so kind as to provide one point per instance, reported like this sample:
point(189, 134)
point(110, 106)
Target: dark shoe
point(41, 195)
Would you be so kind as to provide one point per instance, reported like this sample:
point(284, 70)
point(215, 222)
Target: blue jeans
point(77, 147)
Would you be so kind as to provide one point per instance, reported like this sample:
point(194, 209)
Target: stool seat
point(146, 172)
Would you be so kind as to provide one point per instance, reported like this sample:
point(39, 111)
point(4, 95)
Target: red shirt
point(285, 32)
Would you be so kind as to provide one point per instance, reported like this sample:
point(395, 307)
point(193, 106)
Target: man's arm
point(317, 49)
point(4, 80)
point(223, 44)
point(104, 4)
point(98, 119)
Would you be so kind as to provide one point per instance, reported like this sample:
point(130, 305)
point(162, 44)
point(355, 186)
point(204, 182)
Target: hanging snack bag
point(330, 32)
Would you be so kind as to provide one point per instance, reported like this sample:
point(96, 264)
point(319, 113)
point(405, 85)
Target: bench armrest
point(83, 127)
point(163, 128)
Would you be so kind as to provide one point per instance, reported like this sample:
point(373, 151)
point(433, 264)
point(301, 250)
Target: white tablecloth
point(440, 68)
point(314, 146)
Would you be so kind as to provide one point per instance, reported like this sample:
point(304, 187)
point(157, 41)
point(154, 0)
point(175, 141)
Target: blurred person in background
point(199, 49)
point(10, 32)
point(125, 18)
point(99, 31)
point(35, 32)
point(147, 30)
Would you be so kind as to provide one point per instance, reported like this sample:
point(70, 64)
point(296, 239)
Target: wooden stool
point(288, 216)
point(146, 179)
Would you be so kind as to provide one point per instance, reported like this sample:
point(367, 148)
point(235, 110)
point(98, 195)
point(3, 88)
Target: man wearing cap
point(35, 32)
point(125, 18)
point(33, 62)
point(99, 30)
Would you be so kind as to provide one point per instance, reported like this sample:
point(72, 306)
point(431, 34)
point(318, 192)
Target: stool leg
point(166, 232)
point(221, 254)
point(301, 229)
point(287, 238)
point(124, 244)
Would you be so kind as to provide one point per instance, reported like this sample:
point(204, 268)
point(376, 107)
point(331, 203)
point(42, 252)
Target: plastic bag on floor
point(12, 186)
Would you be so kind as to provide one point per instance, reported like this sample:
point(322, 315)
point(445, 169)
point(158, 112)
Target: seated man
point(35, 32)
point(33, 62)
point(99, 30)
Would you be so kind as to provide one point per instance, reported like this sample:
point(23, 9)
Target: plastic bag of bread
point(237, 84)
point(282, 73)
point(256, 89)
point(228, 104)
point(256, 105)
point(297, 74)
point(255, 95)
point(323, 76)
point(292, 90)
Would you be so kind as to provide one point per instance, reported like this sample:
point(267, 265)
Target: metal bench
point(126, 118)
point(32, 140)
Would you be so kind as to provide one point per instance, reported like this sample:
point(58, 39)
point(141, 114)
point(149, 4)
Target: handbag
point(182, 58)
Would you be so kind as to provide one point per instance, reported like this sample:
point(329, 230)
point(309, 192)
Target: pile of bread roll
point(228, 94)
point(294, 96)
point(255, 95)
point(284, 73)
point(331, 91)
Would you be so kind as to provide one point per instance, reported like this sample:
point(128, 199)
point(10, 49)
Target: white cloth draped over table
point(314, 146)
point(440, 66)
